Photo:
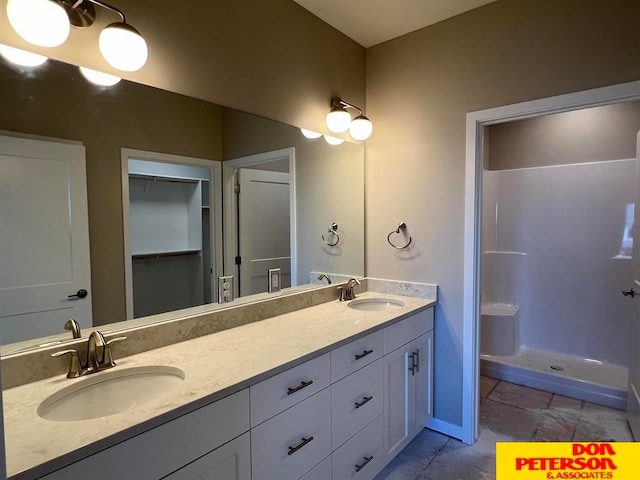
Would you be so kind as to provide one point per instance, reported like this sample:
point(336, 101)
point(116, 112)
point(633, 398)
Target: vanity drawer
point(361, 457)
point(355, 355)
point(403, 332)
point(356, 401)
point(291, 443)
point(322, 471)
point(164, 449)
point(276, 394)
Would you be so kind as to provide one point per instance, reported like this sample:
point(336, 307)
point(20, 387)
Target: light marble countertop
point(215, 366)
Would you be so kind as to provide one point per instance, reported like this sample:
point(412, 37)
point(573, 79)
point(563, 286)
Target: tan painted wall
point(419, 89)
point(590, 135)
point(271, 58)
point(329, 188)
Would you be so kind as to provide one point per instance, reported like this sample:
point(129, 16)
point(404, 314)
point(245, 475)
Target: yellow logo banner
point(555, 460)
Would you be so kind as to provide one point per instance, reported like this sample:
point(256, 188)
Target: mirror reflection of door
point(170, 229)
point(44, 238)
point(633, 403)
point(263, 228)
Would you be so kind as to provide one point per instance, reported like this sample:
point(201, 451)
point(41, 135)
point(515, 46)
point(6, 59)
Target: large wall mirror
point(120, 135)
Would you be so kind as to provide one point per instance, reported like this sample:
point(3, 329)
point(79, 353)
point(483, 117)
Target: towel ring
point(333, 230)
point(402, 227)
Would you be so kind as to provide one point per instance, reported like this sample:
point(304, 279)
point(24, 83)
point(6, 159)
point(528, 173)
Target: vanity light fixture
point(310, 133)
point(333, 140)
point(46, 23)
point(339, 120)
point(22, 57)
point(99, 78)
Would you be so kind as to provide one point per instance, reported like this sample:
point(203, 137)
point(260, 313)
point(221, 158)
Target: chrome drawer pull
point(297, 447)
point(364, 463)
point(364, 400)
point(363, 354)
point(302, 385)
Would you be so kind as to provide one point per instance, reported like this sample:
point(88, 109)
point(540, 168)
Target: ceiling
point(370, 22)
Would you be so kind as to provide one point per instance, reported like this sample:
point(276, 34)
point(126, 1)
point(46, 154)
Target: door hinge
point(236, 188)
point(238, 260)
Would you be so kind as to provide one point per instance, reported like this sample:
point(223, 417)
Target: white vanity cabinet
point(408, 381)
point(198, 442)
point(228, 462)
point(342, 415)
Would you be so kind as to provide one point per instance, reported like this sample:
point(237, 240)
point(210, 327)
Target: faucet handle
point(108, 356)
point(75, 370)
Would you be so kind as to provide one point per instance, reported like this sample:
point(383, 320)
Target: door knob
point(79, 294)
point(629, 293)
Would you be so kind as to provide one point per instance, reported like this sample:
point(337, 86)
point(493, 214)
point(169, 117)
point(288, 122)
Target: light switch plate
point(274, 280)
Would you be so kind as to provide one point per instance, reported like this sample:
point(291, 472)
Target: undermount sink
point(110, 392)
point(375, 304)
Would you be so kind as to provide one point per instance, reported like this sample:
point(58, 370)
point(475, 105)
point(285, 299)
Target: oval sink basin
point(375, 304)
point(110, 392)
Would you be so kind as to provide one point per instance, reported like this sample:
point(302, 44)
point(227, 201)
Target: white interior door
point(633, 402)
point(263, 228)
point(44, 238)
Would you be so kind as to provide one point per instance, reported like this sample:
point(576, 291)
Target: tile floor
point(508, 413)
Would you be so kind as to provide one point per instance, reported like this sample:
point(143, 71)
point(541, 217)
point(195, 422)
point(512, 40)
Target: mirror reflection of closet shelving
point(170, 229)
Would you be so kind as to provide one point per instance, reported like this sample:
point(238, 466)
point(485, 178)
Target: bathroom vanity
point(323, 392)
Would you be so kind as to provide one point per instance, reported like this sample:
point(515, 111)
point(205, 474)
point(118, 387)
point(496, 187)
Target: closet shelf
point(178, 253)
point(160, 178)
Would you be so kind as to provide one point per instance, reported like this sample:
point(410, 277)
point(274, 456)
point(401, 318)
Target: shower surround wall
point(556, 244)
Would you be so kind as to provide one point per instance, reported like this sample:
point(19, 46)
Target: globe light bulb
point(22, 57)
point(310, 133)
point(40, 22)
point(333, 140)
point(99, 78)
point(361, 128)
point(123, 47)
point(338, 120)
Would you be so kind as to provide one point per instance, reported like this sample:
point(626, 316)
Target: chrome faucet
point(326, 277)
point(99, 356)
point(346, 291)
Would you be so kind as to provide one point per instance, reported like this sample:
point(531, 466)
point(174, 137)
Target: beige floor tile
point(486, 385)
point(519, 396)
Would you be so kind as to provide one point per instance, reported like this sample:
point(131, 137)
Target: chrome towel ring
point(332, 231)
point(402, 227)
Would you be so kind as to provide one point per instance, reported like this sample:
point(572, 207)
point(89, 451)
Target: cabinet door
point(397, 421)
point(408, 385)
point(421, 382)
point(231, 461)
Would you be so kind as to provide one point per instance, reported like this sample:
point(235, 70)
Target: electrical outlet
point(274, 280)
point(225, 289)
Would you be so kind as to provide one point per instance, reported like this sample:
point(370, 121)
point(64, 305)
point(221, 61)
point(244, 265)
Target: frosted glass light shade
point(40, 22)
point(22, 57)
point(333, 140)
point(310, 133)
point(338, 120)
point(123, 47)
point(361, 128)
point(100, 78)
